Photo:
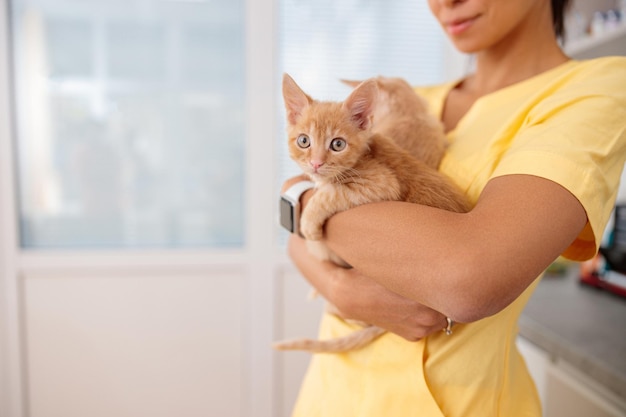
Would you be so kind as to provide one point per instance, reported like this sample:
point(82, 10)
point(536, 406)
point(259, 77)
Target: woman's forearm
point(357, 297)
point(469, 265)
point(396, 244)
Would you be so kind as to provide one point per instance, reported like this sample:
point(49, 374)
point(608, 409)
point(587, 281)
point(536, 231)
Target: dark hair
point(559, 9)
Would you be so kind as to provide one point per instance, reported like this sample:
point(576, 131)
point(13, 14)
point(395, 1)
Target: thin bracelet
point(448, 329)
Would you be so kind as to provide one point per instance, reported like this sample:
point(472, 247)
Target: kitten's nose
point(316, 165)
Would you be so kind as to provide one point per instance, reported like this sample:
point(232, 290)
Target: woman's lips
point(459, 26)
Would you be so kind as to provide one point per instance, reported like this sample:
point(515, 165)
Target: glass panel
point(130, 122)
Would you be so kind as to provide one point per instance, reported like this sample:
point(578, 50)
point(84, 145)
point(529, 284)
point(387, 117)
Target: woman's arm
point(356, 296)
point(359, 298)
point(470, 265)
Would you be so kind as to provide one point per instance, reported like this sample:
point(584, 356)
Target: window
point(129, 122)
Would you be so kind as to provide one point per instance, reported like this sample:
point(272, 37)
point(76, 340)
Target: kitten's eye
point(303, 141)
point(338, 144)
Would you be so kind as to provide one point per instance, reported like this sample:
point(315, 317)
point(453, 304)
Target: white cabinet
point(564, 390)
point(134, 345)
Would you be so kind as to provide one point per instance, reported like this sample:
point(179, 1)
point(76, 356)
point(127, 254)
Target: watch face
point(287, 219)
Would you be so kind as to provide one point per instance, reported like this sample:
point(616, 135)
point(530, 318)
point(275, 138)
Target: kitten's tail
point(353, 341)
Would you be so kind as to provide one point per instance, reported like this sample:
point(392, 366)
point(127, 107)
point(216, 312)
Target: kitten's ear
point(351, 83)
point(296, 100)
point(361, 103)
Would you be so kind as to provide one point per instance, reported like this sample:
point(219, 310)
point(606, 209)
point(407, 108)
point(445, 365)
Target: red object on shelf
point(596, 281)
point(594, 273)
point(607, 270)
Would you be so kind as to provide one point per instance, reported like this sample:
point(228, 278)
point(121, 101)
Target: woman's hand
point(359, 298)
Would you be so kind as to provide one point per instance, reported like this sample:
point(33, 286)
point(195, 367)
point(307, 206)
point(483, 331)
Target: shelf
point(587, 43)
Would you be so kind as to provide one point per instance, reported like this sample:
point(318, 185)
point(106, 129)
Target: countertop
point(579, 324)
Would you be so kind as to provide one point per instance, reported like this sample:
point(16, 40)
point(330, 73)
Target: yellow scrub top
point(567, 125)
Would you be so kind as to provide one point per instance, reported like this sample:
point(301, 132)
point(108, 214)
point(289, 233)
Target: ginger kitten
point(340, 148)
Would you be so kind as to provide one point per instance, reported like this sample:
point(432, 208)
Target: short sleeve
point(577, 138)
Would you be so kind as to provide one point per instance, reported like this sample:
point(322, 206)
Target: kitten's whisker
point(347, 175)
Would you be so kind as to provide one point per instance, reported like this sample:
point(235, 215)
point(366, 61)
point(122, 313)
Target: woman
point(538, 143)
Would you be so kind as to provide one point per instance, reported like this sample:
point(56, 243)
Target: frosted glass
point(130, 122)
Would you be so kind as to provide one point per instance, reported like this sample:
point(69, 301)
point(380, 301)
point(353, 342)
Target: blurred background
point(142, 269)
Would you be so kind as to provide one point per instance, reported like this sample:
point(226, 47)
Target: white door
point(136, 281)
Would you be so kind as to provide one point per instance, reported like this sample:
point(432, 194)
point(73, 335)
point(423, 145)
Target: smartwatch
point(290, 205)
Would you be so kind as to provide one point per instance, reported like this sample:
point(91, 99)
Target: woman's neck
point(524, 54)
point(500, 66)
point(491, 76)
